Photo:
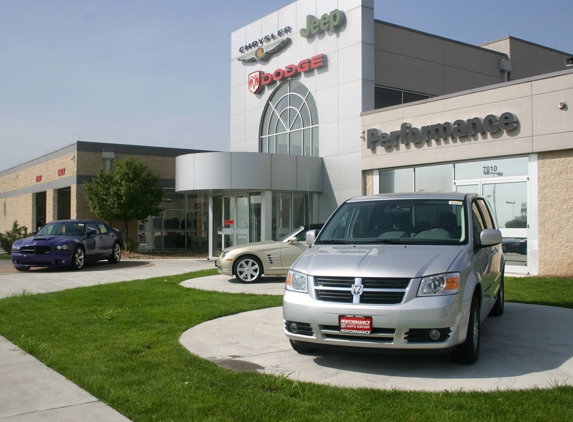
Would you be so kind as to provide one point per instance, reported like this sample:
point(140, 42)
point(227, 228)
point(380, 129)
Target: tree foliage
point(17, 232)
point(129, 192)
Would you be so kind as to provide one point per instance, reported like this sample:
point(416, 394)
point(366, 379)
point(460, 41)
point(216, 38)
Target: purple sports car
point(68, 243)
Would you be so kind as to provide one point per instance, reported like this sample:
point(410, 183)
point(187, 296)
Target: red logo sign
point(255, 81)
point(229, 222)
point(38, 178)
point(62, 172)
point(259, 78)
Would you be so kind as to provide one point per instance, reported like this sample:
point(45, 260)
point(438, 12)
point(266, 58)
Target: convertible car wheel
point(248, 269)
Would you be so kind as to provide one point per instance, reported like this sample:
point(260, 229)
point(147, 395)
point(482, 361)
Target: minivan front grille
point(375, 291)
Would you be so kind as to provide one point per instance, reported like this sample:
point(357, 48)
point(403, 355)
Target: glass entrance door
point(509, 202)
point(235, 229)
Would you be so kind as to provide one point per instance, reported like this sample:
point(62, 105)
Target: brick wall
point(555, 213)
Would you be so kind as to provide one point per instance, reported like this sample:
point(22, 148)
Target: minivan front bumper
point(420, 323)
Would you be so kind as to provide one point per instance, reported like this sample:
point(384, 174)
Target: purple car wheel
point(78, 259)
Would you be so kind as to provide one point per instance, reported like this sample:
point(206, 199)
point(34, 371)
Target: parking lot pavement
point(519, 350)
point(29, 390)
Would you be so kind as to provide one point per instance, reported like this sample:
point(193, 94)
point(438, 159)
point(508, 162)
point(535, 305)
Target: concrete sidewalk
point(29, 390)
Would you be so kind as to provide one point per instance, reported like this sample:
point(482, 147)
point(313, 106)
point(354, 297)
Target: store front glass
point(504, 182)
point(290, 210)
point(183, 225)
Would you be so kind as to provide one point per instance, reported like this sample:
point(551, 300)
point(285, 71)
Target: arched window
point(290, 121)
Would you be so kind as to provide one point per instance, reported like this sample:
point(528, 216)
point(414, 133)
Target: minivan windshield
point(423, 221)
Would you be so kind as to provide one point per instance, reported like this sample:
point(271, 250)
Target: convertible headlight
point(65, 247)
point(224, 254)
point(296, 281)
point(440, 284)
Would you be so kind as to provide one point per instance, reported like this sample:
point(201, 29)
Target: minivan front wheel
point(302, 348)
point(499, 305)
point(468, 351)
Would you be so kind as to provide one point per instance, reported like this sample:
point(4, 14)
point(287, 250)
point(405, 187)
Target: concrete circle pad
point(529, 346)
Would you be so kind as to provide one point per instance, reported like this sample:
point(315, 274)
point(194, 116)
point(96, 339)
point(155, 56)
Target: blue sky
point(156, 72)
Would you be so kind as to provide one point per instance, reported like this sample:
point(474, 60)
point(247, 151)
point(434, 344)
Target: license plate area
point(355, 324)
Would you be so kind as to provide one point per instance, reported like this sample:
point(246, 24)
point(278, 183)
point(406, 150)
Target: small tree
point(17, 232)
point(130, 192)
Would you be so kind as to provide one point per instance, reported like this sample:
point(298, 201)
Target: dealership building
point(328, 103)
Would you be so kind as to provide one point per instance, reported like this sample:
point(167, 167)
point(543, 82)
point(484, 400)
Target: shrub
point(17, 232)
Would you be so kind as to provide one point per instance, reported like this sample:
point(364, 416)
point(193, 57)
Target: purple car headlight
point(16, 248)
point(64, 247)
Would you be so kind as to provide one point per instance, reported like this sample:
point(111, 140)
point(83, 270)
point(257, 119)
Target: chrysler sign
point(408, 134)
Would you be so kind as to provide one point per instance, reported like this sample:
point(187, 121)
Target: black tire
point(248, 269)
point(78, 259)
point(468, 351)
point(499, 305)
point(115, 256)
point(22, 269)
point(302, 348)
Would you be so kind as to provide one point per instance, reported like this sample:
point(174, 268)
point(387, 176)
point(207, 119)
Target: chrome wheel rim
point(248, 270)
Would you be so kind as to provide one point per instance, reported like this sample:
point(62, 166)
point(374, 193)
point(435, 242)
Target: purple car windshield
point(61, 228)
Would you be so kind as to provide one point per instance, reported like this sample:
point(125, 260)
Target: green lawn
point(120, 343)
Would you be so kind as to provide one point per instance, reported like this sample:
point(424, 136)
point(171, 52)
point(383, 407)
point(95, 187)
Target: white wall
point(342, 90)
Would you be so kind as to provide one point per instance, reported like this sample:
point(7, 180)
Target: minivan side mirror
point(310, 236)
point(490, 237)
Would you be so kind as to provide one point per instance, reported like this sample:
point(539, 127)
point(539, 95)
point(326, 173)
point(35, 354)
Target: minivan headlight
point(440, 284)
point(296, 281)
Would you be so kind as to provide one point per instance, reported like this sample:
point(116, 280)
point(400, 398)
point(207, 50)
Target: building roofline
point(472, 91)
point(477, 47)
point(86, 146)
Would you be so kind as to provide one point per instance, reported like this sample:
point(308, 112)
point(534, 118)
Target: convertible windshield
point(296, 233)
point(397, 222)
point(60, 228)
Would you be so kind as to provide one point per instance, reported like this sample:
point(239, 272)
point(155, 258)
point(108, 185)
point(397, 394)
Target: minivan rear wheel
point(468, 351)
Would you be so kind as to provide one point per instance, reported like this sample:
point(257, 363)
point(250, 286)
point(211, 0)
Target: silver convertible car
point(398, 272)
point(250, 261)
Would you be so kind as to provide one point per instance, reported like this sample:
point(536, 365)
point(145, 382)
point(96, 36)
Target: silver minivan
point(398, 272)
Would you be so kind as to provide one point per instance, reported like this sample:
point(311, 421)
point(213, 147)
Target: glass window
point(492, 168)
point(434, 178)
point(281, 214)
point(255, 217)
point(386, 97)
point(300, 210)
point(397, 180)
point(409, 97)
point(478, 224)
point(289, 124)
point(509, 202)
